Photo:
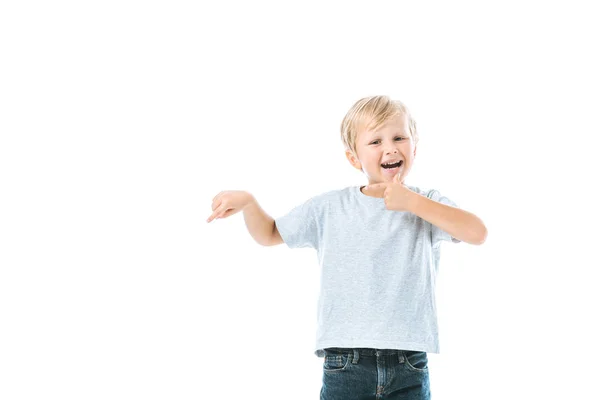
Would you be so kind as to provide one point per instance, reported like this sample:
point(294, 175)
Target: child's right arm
point(261, 226)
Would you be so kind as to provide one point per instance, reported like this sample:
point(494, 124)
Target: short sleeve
point(437, 234)
point(299, 227)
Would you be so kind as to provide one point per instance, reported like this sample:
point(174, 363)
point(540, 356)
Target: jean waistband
point(363, 351)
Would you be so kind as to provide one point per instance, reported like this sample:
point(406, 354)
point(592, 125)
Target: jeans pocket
point(336, 362)
point(416, 360)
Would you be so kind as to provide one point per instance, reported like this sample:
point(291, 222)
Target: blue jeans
point(375, 374)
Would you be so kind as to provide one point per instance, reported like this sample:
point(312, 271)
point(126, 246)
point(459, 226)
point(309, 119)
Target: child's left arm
point(459, 223)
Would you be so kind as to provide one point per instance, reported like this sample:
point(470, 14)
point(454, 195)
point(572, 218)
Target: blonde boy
point(379, 250)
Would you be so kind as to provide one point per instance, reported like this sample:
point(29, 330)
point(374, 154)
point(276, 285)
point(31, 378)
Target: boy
point(379, 250)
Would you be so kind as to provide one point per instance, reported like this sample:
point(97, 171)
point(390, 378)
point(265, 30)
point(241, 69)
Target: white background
point(121, 120)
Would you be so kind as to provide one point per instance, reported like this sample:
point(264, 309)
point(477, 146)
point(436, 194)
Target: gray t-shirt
point(378, 269)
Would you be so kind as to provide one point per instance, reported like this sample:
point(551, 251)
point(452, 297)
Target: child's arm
point(262, 228)
point(460, 224)
point(260, 225)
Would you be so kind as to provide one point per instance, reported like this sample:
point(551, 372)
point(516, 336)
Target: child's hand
point(230, 202)
point(396, 195)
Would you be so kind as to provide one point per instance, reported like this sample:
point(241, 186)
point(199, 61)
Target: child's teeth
point(398, 164)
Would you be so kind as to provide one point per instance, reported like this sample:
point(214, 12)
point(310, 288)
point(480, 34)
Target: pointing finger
point(216, 214)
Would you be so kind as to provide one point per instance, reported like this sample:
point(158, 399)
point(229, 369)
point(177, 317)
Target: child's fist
point(230, 202)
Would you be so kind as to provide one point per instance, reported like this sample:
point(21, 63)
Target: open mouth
point(392, 166)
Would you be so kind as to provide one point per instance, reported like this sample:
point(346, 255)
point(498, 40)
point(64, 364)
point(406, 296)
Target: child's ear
point(353, 160)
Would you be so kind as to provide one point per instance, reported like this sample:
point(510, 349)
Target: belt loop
point(355, 356)
point(400, 356)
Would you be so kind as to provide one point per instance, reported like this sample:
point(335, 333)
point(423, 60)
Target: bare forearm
point(259, 223)
point(460, 224)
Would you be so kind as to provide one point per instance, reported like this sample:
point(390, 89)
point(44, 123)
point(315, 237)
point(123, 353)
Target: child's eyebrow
point(377, 134)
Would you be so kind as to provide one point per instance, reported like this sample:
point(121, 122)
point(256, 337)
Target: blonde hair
point(371, 113)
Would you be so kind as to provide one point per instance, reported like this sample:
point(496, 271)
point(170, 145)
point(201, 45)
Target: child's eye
point(378, 140)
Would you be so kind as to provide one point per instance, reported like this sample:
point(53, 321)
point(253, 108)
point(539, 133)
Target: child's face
point(391, 142)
